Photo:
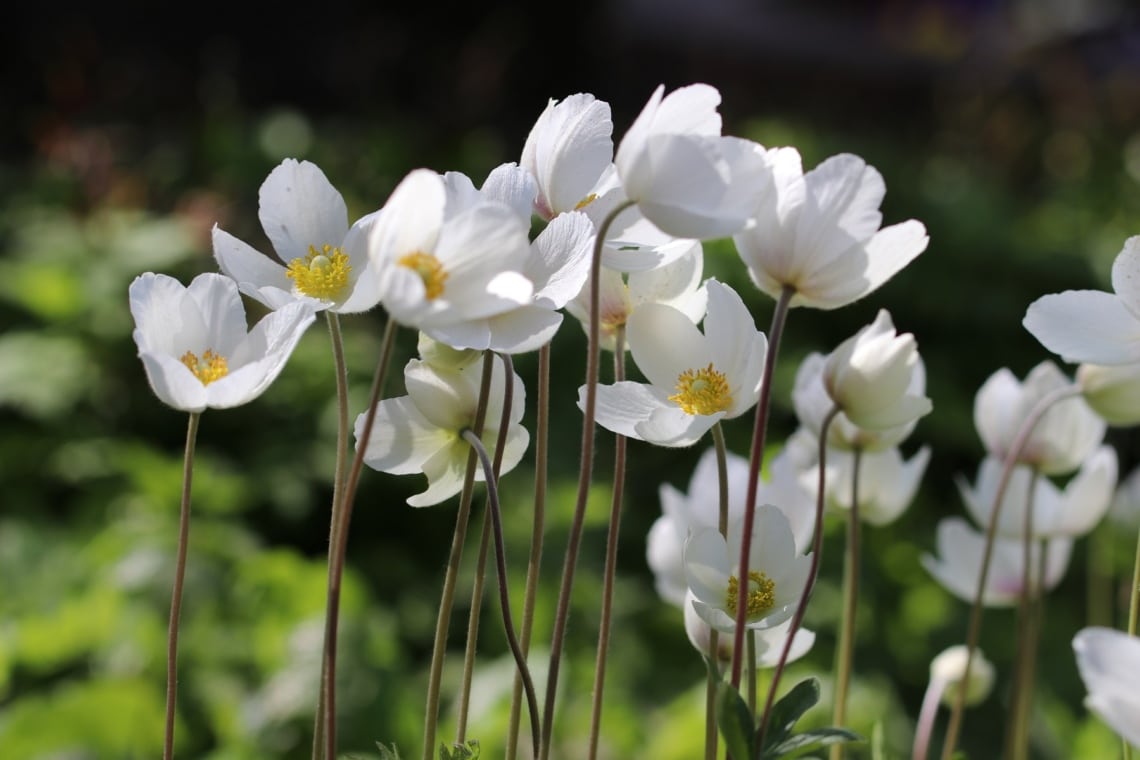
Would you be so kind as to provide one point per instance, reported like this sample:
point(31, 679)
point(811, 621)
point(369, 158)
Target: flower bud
point(950, 666)
point(1112, 392)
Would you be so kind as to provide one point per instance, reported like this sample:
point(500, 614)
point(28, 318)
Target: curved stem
point(179, 579)
point(339, 546)
point(845, 653)
point(611, 560)
point(975, 625)
point(541, 448)
point(586, 465)
point(760, 425)
point(504, 596)
point(447, 596)
point(809, 586)
point(926, 715)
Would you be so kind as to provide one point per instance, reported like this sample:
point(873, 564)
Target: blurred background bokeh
point(1011, 129)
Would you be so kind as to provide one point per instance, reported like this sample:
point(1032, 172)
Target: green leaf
point(790, 708)
point(815, 739)
point(467, 751)
point(735, 721)
point(387, 753)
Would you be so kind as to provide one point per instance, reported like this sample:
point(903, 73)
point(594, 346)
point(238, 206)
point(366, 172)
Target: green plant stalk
point(610, 572)
point(975, 625)
point(751, 670)
point(759, 428)
point(179, 580)
point(455, 557)
point(845, 652)
point(1020, 703)
point(340, 542)
point(341, 473)
point(586, 466)
point(534, 563)
point(813, 572)
point(713, 680)
point(1133, 615)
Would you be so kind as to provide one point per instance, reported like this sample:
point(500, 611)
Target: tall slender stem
point(1017, 726)
point(809, 586)
point(611, 561)
point(447, 596)
point(534, 563)
point(179, 579)
point(586, 466)
point(759, 427)
point(713, 680)
point(926, 715)
point(845, 652)
point(1133, 615)
point(975, 625)
point(339, 546)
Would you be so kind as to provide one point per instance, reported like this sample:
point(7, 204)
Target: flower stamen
point(586, 201)
point(430, 271)
point(702, 391)
point(209, 368)
point(321, 273)
point(761, 599)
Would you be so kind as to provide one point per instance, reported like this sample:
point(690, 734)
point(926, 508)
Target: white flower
point(695, 379)
point(677, 284)
point(949, 668)
point(325, 260)
point(769, 641)
point(1091, 325)
point(1072, 512)
point(1113, 392)
point(445, 273)
point(196, 348)
point(699, 507)
point(1125, 508)
point(421, 432)
point(818, 233)
point(777, 573)
point(568, 151)
point(1109, 661)
point(684, 176)
point(1064, 436)
point(959, 562)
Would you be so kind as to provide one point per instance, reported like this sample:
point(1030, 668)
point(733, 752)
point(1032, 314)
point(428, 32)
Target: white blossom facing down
point(1108, 661)
point(323, 260)
point(819, 233)
point(422, 431)
point(1093, 326)
point(196, 348)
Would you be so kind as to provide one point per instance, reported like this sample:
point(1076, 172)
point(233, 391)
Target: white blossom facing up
point(1108, 661)
point(568, 151)
point(1093, 326)
point(769, 641)
point(322, 259)
point(196, 348)
point(819, 233)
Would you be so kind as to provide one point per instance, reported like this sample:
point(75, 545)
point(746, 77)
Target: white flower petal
point(251, 269)
point(1085, 326)
point(299, 207)
point(1108, 661)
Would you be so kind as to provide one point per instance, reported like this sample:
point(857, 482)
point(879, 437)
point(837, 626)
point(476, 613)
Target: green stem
point(845, 652)
point(750, 669)
point(447, 596)
point(586, 465)
point(713, 681)
point(975, 625)
point(759, 427)
point(179, 579)
point(1133, 615)
point(611, 561)
point(1016, 737)
point(534, 563)
point(340, 542)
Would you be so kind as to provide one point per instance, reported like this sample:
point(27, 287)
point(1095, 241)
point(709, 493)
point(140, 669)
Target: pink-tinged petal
point(402, 438)
point(299, 207)
point(665, 343)
point(1126, 274)
point(173, 383)
point(622, 405)
point(251, 269)
point(1085, 326)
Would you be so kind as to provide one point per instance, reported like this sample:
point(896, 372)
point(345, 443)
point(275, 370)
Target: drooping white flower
point(1108, 661)
point(958, 562)
point(1093, 326)
point(1064, 436)
point(196, 347)
point(322, 259)
point(447, 273)
point(695, 379)
point(769, 641)
point(1071, 512)
point(1113, 392)
point(699, 507)
point(949, 668)
point(777, 573)
point(422, 431)
point(568, 151)
point(818, 233)
point(685, 177)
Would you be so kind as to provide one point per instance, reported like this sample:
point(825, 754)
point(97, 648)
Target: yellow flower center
point(702, 391)
point(430, 271)
point(586, 201)
point(209, 368)
point(761, 599)
point(321, 273)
